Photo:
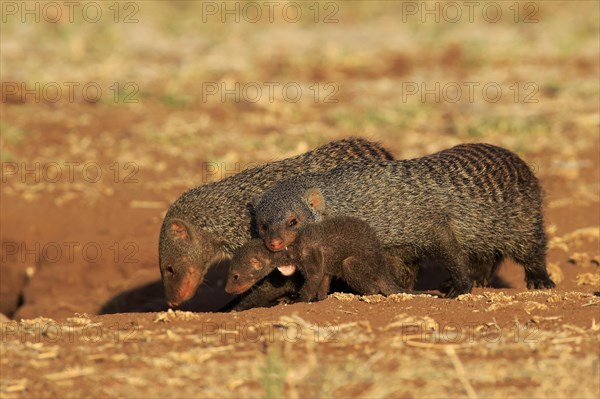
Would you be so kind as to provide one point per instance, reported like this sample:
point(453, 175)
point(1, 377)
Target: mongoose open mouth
point(238, 288)
point(287, 270)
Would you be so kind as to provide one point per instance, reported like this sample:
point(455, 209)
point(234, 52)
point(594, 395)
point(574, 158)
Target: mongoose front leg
point(313, 269)
point(456, 262)
point(310, 289)
point(461, 283)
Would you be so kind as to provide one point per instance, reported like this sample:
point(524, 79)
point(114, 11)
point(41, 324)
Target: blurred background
point(110, 110)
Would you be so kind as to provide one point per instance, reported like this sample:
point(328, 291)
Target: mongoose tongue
point(287, 270)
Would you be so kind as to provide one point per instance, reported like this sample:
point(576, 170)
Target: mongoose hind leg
point(324, 287)
point(536, 275)
point(481, 270)
point(362, 275)
point(484, 279)
point(531, 254)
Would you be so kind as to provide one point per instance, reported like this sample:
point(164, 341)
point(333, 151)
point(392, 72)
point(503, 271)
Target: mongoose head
point(283, 211)
point(184, 254)
point(252, 262)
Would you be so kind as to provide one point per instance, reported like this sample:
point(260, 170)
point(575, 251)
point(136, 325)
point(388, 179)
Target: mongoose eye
point(170, 270)
point(264, 227)
point(293, 222)
point(236, 276)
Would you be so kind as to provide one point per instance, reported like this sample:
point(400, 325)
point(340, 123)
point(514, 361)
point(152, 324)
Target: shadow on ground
point(211, 296)
point(150, 297)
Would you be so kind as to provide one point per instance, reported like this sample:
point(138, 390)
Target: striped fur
point(469, 207)
point(210, 221)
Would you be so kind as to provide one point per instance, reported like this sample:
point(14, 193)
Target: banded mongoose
point(251, 263)
point(273, 289)
point(468, 207)
point(207, 222)
point(339, 246)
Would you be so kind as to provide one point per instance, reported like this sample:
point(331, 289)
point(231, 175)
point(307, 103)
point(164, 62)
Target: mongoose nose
point(276, 244)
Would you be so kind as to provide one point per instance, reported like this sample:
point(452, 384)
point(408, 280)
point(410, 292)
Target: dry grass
point(410, 356)
point(170, 57)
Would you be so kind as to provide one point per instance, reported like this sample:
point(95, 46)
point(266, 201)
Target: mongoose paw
point(456, 291)
point(307, 296)
point(321, 296)
point(446, 286)
point(540, 283)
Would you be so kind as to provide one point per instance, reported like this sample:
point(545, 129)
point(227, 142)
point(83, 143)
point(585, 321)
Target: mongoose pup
point(468, 207)
point(251, 263)
point(339, 246)
point(207, 222)
point(271, 290)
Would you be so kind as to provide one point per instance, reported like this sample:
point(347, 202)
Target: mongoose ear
point(315, 199)
point(256, 264)
point(254, 200)
point(220, 256)
point(226, 256)
point(178, 230)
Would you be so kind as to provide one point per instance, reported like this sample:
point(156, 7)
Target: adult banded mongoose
point(206, 223)
point(468, 207)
